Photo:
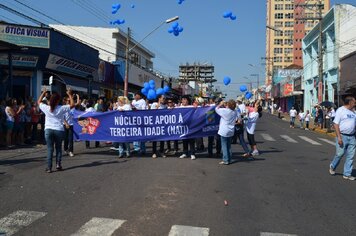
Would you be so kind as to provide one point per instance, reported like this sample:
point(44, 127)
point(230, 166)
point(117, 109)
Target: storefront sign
point(288, 89)
point(25, 36)
point(61, 64)
point(19, 60)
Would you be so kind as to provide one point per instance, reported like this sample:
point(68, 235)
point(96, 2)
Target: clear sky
point(207, 37)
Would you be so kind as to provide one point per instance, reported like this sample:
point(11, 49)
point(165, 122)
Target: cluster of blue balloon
point(150, 92)
point(248, 94)
point(228, 14)
point(175, 29)
point(114, 9)
point(227, 80)
point(132, 5)
point(180, 1)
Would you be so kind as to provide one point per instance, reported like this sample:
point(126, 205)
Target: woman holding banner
point(187, 142)
point(123, 105)
point(228, 114)
point(54, 131)
point(160, 104)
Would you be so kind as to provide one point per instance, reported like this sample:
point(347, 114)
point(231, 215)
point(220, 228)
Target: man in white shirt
point(139, 104)
point(344, 123)
point(292, 113)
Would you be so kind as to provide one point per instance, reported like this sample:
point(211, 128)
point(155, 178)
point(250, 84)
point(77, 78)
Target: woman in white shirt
point(54, 130)
point(123, 104)
point(226, 128)
point(160, 104)
point(251, 126)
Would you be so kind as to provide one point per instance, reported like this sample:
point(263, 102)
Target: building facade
point(198, 76)
point(287, 25)
point(338, 37)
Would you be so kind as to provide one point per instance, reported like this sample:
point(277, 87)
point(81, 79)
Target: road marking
point(327, 141)
point(18, 220)
point(309, 140)
point(99, 226)
point(267, 137)
point(275, 234)
point(181, 230)
point(289, 139)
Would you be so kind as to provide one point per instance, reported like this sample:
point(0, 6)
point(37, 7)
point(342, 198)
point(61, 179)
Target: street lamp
point(128, 50)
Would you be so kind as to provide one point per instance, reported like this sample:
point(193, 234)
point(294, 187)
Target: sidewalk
point(285, 117)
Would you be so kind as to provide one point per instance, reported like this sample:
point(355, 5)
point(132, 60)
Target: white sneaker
point(255, 153)
point(154, 156)
point(349, 177)
point(183, 156)
point(192, 157)
point(71, 154)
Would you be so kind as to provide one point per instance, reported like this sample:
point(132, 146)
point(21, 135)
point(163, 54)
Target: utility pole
point(126, 81)
point(320, 81)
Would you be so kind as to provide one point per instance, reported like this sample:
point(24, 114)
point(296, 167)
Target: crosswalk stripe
point(267, 137)
point(309, 140)
point(182, 230)
point(99, 226)
point(289, 139)
point(327, 141)
point(275, 234)
point(18, 220)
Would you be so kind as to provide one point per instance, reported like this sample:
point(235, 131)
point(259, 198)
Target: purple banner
point(146, 125)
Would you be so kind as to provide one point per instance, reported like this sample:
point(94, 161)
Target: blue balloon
point(232, 17)
point(117, 22)
point(243, 88)
point(151, 95)
point(227, 80)
point(133, 6)
point(180, 29)
point(159, 91)
point(227, 14)
point(144, 91)
point(248, 95)
point(115, 8)
point(166, 89)
point(170, 30)
point(180, 1)
point(146, 85)
point(175, 25)
point(152, 86)
point(176, 33)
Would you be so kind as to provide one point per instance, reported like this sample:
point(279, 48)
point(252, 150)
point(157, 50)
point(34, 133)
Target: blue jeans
point(54, 138)
point(124, 147)
point(347, 150)
point(226, 149)
point(68, 139)
point(292, 120)
point(243, 143)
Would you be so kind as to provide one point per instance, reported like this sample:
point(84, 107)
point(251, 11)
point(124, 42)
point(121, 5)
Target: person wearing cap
point(344, 123)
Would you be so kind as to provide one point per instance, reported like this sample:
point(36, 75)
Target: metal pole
point(10, 74)
point(320, 54)
point(126, 81)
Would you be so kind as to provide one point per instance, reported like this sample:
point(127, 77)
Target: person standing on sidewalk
point(292, 113)
point(344, 123)
point(228, 114)
point(307, 120)
point(54, 130)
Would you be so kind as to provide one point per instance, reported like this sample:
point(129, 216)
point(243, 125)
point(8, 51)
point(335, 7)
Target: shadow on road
point(94, 163)
point(20, 161)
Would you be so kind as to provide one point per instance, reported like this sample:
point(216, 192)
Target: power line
point(23, 15)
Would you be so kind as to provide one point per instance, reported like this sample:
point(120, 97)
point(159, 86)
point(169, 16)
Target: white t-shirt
point(139, 104)
point(346, 119)
point(125, 107)
point(307, 117)
point(9, 117)
point(54, 120)
point(293, 113)
point(227, 121)
point(242, 108)
point(155, 106)
point(251, 122)
point(301, 115)
point(68, 116)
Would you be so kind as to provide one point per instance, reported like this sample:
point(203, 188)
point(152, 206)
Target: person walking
point(292, 113)
point(344, 123)
point(307, 120)
point(251, 126)
point(186, 102)
point(54, 130)
point(68, 127)
point(301, 119)
point(228, 114)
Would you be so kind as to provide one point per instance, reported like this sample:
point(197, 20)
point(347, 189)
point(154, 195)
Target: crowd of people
point(51, 120)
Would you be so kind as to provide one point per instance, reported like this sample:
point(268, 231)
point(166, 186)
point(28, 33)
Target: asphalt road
point(287, 190)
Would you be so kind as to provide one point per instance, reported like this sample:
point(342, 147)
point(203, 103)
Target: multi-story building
point(338, 67)
point(287, 24)
point(198, 76)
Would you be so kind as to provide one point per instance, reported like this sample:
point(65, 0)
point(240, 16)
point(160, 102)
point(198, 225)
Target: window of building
point(288, 50)
point(289, 7)
point(278, 33)
point(278, 41)
point(289, 24)
point(288, 16)
point(277, 59)
point(288, 41)
point(288, 33)
point(278, 7)
point(278, 24)
point(278, 50)
point(288, 59)
point(278, 16)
